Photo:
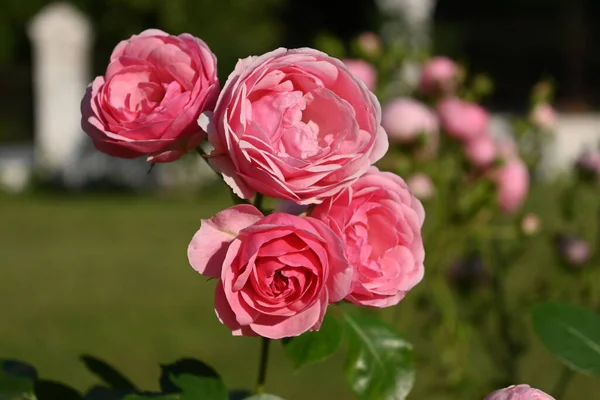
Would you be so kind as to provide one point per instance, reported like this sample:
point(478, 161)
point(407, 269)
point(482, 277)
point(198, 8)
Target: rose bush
point(294, 124)
point(150, 97)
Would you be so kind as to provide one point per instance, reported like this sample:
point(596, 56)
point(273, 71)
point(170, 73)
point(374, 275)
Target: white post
point(411, 22)
point(61, 38)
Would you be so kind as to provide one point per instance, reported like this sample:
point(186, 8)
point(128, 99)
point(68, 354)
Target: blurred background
point(94, 249)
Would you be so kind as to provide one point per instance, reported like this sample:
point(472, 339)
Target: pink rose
point(277, 274)
point(364, 70)
point(154, 89)
point(405, 119)
point(512, 182)
point(461, 119)
point(380, 222)
point(439, 75)
point(481, 151)
point(573, 249)
point(519, 392)
point(543, 116)
point(294, 124)
point(421, 186)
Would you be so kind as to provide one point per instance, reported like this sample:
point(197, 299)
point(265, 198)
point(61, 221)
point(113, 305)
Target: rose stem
point(205, 157)
point(262, 367)
point(258, 199)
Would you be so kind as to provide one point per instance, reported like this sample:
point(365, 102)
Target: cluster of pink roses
point(295, 125)
point(406, 119)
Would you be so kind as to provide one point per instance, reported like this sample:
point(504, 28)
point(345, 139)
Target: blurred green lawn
point(108, 276)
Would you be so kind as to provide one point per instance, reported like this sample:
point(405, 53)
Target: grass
point(108, 276)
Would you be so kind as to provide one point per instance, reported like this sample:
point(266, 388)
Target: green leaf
point(379, 362)
point(98, 392)
point(16, 380)
point(187, 366)
point(15, 387)
point(314, 346)
point(107, 373)
point(571, 333)
point(200, 387)
point(264, 396)
point(50, 390)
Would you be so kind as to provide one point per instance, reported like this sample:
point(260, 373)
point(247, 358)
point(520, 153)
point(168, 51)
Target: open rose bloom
point(519, 392)
point(150, 97)
point(294, 124)
point(380, 222)
point(277, 274)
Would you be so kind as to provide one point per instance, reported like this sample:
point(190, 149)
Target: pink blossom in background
point(531, 224)
point(369, 43)
point(519, 392)
point(462, 120)
point(277, 274)
point(150, 97)
point(421, 186)
point(589, 163)
point(481, 151)
point(507, 149)
point(296, 125)
point(574, 250)
point(380, 221)
point(404, 119)
point(363, 70)
point(439, 76)
point(543, 116)
point(512, 185)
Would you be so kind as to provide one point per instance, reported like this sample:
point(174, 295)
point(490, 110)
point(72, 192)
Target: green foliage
point(264, 397)
point(184, 366)
point(15, 381)
point(107, 373)
point(571, 333)
point(314, 346)
point(330, 45)
point(50, 390)
point(200, 387)
point(379, 362)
